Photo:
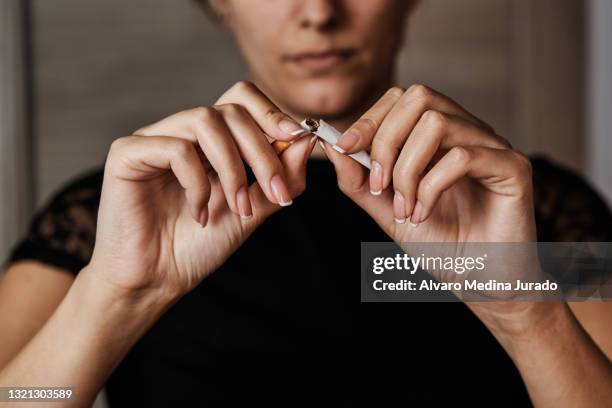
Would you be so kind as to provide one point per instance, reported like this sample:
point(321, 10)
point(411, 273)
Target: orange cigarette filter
point(280, 146)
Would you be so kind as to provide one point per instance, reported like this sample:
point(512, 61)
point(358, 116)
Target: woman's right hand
point(175, 200)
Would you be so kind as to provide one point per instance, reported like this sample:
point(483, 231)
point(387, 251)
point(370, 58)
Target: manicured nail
point(376, 176)
point(290, 127)
point(347, 141)
point(244, 203)
point(339, 149)
point(204, 217)
point(399, 208)
point(415, 219)
point(280, 191)
point(298, 132)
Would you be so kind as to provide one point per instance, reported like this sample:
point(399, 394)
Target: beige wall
point(105, 68)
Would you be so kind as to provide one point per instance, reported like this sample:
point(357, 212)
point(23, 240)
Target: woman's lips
point(323, 60)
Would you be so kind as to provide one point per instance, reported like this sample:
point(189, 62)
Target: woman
point(203, 191)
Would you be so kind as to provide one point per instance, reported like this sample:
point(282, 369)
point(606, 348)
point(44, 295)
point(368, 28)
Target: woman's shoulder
point(567, 207)
point(62, 233)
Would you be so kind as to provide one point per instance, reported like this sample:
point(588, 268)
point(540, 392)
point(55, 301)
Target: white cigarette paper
point(328, 133)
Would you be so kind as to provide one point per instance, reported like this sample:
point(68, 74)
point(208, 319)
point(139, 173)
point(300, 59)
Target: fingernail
point(339, 149)
point(244, 203)
point(290, 127)
point(313, 139)
point(280, 191)
point(415, 219)
point(399, 208)
point(376, 175)
point(347, 141)
point(204, 217)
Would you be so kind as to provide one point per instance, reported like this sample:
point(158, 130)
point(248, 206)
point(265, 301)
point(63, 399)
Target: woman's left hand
point(438, 174)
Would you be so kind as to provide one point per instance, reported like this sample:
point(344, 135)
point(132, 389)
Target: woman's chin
point(329, 100)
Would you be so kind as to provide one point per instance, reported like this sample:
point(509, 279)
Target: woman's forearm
point(559, 362)
point(84, 340)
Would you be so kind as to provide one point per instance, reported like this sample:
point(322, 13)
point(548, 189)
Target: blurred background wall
point(531, 68)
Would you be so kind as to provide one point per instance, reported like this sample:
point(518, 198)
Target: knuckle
point(117, 154)
point(435, 120)
point(119, 144)
point(426, 188)
point(523, 164)
point(384, 147)
point(233, 109)
point(180, 147)
point(502, 141)
point(244, 86)
point(460, 154)
point(237, 179)
point(268, 166)
point(396, 92)
point(349, 187)
point(368, 125)
point(419, 91)
point(204, 113)
point(142, 131)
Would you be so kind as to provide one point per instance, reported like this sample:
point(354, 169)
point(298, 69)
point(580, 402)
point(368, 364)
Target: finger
point(257, 152)
point(401, 120)
point(405, 110)
point(359, 136)
point(216, 141)
point(502, 171)
point(433, 132)
point(138, 158)
point(266, 114)
point(294, 160)
point(352, 180)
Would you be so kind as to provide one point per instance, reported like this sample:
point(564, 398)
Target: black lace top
point(259, 328)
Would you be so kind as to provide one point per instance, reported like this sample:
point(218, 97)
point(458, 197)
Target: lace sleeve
point(567, 208)
point(62, 234)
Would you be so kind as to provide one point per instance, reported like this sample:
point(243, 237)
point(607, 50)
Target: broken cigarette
point(328, 133)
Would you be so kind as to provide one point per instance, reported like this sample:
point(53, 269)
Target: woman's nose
point(320, 14)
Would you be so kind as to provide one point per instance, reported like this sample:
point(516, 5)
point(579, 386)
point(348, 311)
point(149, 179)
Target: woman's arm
point(596, 318)
point(560, 364)
point(85, 338)
point(29, 293)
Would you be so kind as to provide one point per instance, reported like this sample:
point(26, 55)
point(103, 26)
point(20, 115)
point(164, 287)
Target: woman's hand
point(438, 173)
point(175, 200)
